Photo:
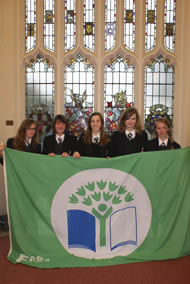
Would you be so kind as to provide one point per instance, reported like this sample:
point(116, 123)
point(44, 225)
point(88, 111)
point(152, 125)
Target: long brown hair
point(125, 116)
point(88, 135)
point(166, 122)
point(19, 139)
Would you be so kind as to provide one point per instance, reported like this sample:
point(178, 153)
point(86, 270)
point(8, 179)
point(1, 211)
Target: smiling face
point(162, 130)
point(60, 127)
point(95, 123)
point(130, 123)
point(30, 131)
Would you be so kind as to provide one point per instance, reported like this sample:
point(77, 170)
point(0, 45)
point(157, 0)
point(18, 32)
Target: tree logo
point(101, 213)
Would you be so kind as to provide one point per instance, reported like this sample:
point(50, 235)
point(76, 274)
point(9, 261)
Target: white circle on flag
point(116, 209)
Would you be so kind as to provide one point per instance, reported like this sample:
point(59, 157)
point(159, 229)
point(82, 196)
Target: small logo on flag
point(101, 213)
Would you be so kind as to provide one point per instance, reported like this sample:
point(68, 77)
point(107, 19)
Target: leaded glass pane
point(79, 93)
point(150, 25)
point(30, 24)
point(159, 89)
point(129, 24)
point(40, 94)
point(49, 24)
point(118, 91)
point(110, 24)
point(70, 24)
point(169, 24)
point(89, 24)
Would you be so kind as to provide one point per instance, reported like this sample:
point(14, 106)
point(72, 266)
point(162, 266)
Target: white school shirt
point(62, 137)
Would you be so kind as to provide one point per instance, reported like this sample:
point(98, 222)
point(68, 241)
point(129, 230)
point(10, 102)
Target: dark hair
point(88, 135)
point(125, 116)
point(60, 118)
point(19, 139)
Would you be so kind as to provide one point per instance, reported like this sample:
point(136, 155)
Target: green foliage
point(115, 194)
point(73, 199)
point(81, 191)
point(116, 200)
point(91, 195)
point(122, 190)
point(87, 201)
point(101, 185)
point(102, 207)
point(107, 196)
point(90, 186)
point(96, 196)
point(112, 186)
point(128, 197)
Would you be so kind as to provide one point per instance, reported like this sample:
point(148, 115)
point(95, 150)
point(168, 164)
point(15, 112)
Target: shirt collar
point(133, 132)
point(57, 137)
point(28, 142)
point(97, 135)
point(94, 137)
point(160, 141)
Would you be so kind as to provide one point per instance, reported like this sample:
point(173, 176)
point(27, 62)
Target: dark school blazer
point(36, 150)
point(92, 150)
point(121, 145)
point(29, 148)
point(153, 145)
point(50, 145)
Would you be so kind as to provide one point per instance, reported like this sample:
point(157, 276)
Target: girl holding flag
point(25, 140)
point(130, 138)
point(94, 142)
point(164, 139)
point(61, 142)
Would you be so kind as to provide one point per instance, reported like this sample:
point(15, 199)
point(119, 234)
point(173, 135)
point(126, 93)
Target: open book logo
point(101, 213)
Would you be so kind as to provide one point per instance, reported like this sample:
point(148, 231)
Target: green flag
point(66, 212)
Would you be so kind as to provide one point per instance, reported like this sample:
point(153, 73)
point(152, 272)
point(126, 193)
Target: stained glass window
point(150, 26)
point(169, 24)
point(30, 24)
point(118, 91)
point(49, 24)
point(110, 24)
point(40, 93)
point(159, 91)
point(70, 24)
point(89, 24)
point(129, 24)
point(79, 93)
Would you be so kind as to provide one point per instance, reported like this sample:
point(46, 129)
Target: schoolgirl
point(61, 142)
point(130, 138)
point(164, 139)
point(94, 142)
point(26, 138)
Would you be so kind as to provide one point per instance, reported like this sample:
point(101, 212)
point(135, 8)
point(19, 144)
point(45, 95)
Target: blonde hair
point(166, 122)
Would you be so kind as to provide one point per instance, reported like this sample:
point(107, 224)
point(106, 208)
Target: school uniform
point(94, 149)
point(125, 143)
point(51, 144)
point(28, 148)
point(157, 145)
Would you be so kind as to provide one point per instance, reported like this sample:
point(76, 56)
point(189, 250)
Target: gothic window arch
point(159, 91)
point(101, 32)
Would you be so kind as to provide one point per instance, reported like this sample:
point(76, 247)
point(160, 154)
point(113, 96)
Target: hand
point(65, 154)
point(76, 155)
point(51, 154)
point(107, 157)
